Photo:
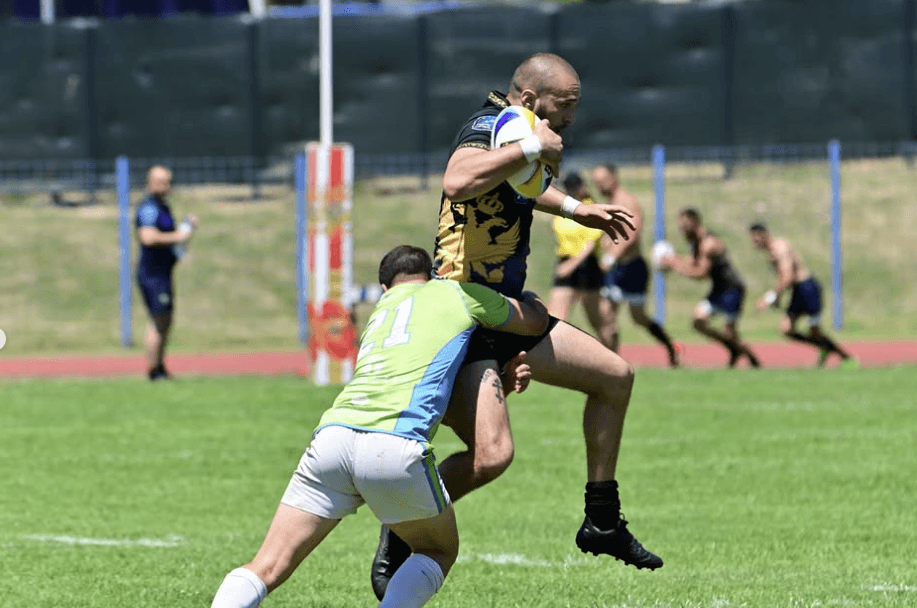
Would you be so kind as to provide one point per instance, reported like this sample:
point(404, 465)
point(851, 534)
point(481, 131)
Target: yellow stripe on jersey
point(573, 237)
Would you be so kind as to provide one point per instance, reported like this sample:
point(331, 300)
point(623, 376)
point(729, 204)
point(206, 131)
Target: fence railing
point(673, 175)
point(59, 178)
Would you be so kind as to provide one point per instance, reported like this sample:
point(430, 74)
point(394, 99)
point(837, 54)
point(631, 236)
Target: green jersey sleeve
point(485, 306)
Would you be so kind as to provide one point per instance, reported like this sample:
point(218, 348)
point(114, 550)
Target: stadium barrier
point(675, 174)
point(695, 73)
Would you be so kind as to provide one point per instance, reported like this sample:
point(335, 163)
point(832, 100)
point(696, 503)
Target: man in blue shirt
point(161, 243)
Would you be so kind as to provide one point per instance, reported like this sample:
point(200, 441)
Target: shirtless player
point(805, 293)
point(627, 276)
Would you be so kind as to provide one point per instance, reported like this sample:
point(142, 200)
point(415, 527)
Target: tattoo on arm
point(493, 378)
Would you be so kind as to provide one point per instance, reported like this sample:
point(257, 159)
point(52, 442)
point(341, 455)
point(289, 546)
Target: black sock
point(656, 330)
point(730, 346)
point(795, 335)
point(603, 507)
point(832, 346)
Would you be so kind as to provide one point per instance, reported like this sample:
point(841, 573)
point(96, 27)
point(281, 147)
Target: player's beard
point(540, 113)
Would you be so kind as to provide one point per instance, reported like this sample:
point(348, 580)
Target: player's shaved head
point(159, 180)
point(541, 73)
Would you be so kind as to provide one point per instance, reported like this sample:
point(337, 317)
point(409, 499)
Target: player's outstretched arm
point(616, 221)
point(697, 269)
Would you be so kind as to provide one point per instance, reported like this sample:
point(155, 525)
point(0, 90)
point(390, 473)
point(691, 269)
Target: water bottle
point(180, 249)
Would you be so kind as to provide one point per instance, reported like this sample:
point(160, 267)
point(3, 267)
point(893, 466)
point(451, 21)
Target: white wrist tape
point(770, 297)
point(569, 206)
point(608, 260)
point(531, 147)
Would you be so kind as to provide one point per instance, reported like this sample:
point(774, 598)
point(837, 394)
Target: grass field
point(59, 283)
point(765, 489)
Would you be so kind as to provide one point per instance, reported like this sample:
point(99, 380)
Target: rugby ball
point(660, 250)
point(512, 124)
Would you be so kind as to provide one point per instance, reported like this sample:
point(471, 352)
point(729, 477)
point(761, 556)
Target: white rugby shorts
point(344, 468)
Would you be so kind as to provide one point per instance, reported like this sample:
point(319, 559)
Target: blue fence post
point(837, 298)
point(659, 231)
point(123, 176)
point(302, 261)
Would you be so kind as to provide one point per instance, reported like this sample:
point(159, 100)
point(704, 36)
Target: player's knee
point(619, 379)
point(492, 460)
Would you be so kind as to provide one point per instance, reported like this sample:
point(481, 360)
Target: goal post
point(329, 197)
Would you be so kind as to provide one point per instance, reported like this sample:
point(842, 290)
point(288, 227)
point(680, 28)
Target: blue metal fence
point(87, 178)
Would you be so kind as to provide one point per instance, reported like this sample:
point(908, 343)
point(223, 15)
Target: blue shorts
point(157, 293)
point(628, 282)
point(727, 302)
point(806, 300)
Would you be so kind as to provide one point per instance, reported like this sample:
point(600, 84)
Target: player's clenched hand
point(518, 374)
point(552, 146)
point(613, 219)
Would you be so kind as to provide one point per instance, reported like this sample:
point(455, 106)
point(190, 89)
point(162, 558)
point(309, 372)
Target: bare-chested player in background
point(805, 293)
point(627, 277)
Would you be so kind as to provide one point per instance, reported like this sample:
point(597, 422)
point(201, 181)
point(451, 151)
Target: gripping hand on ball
point(615, 220)
point(552, 146)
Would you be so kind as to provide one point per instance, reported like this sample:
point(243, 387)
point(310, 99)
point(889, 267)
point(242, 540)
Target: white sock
point(240, 589)
point(416, 581)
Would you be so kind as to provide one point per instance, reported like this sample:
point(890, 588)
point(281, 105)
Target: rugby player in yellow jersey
point(483, 237)
point(577, 275)
point(373, 445)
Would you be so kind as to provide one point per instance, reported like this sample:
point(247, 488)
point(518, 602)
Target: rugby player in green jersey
point(373, 445)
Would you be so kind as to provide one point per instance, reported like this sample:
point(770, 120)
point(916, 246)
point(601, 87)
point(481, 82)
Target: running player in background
point(577, 275)
point(709, 260)
point(805, 295)
point(373, 445)
point(628, 277)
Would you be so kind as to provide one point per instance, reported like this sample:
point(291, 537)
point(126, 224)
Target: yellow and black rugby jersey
point(485, 239)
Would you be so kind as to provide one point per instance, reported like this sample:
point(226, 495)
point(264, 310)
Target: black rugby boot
point(392, 552)
point(604, 531)
point(617, 542)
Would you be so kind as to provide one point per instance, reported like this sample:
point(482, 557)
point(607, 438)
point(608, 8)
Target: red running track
point(696, 355)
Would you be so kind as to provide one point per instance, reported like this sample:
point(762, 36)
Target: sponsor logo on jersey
point(484, 123)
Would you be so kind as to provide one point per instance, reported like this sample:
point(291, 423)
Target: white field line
point(892, 588)
point(501, 559)
point(171, 541)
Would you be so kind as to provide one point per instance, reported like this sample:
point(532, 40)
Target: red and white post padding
point(332, 335)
